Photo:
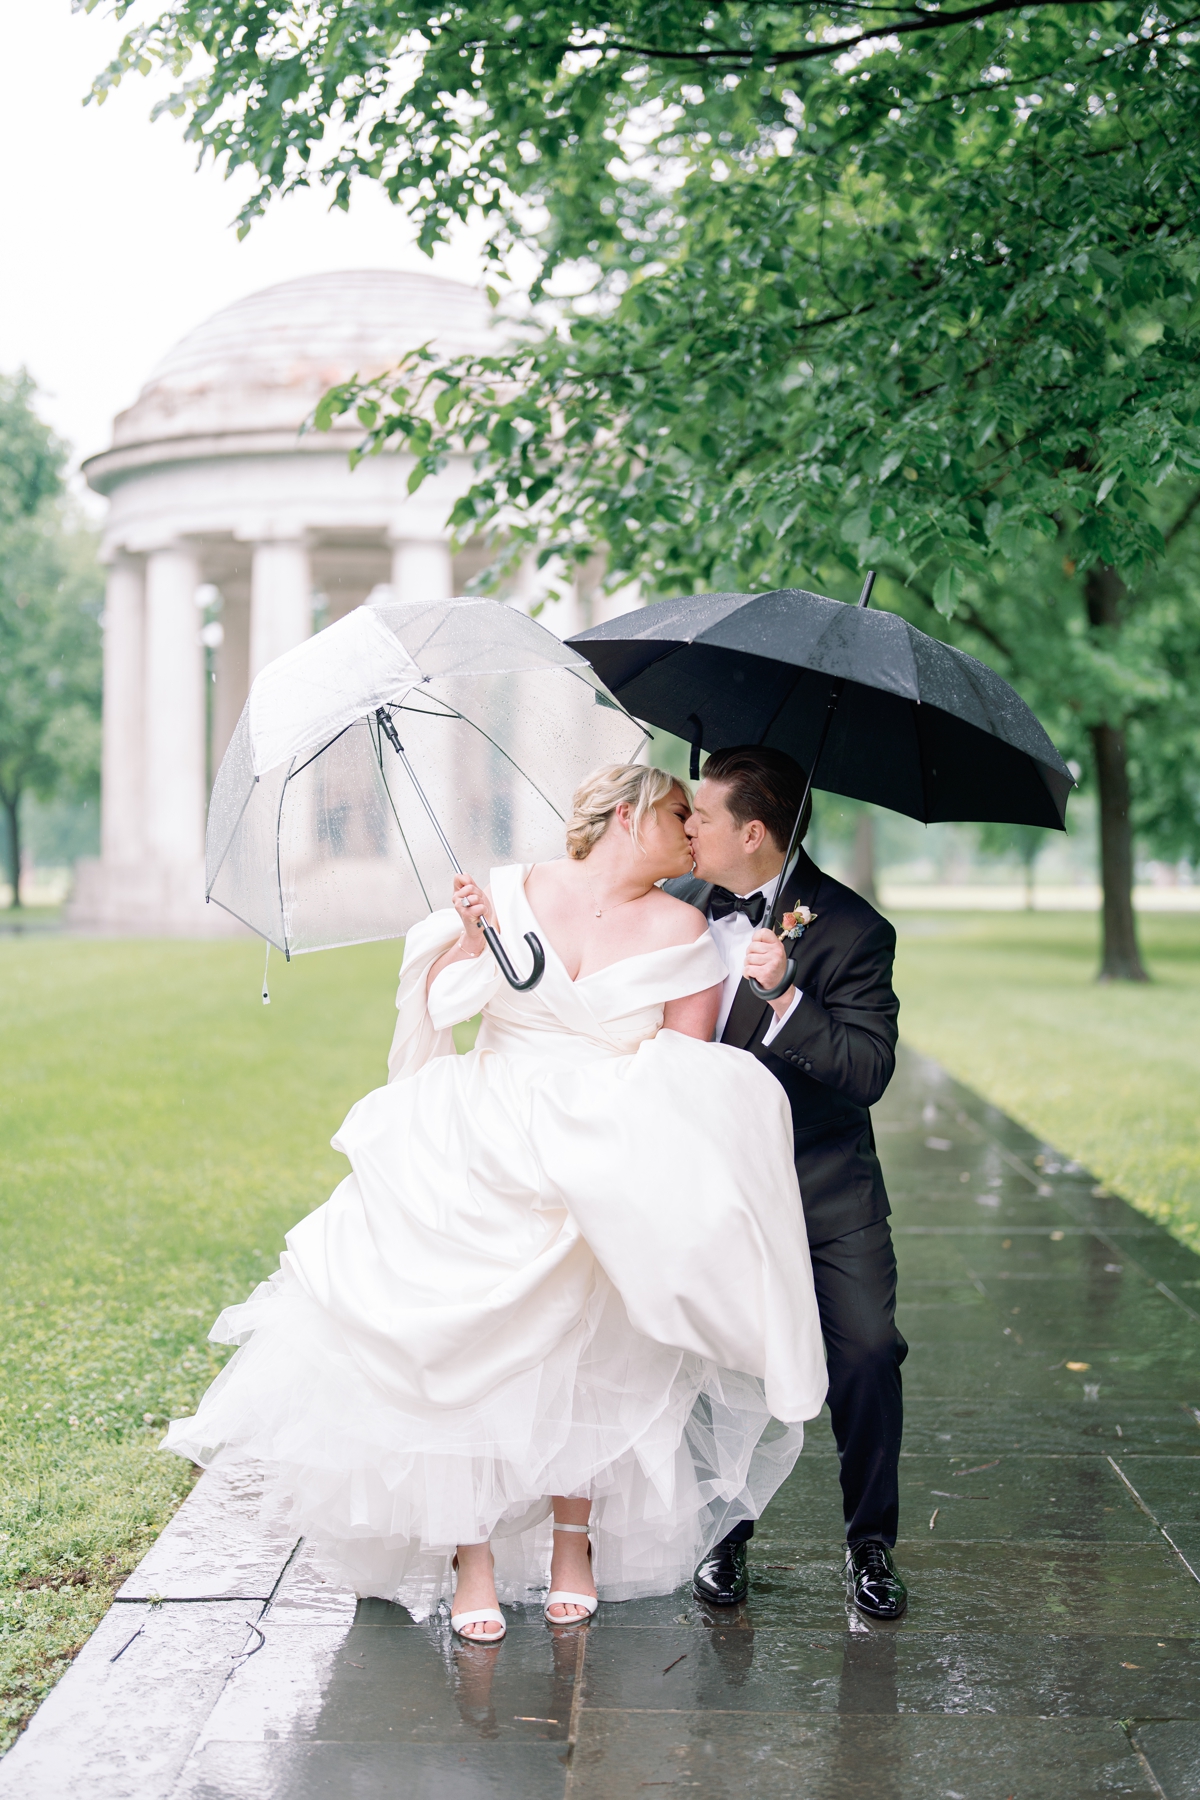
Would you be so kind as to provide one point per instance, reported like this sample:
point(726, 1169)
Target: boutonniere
point(793, 925)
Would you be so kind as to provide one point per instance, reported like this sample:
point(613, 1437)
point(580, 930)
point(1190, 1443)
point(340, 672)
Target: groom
point(830, 1041)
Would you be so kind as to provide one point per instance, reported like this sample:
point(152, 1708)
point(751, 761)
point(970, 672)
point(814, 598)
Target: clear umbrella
point(372, 758)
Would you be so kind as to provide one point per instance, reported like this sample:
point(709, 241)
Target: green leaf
point(947, 590)
point(986, 429)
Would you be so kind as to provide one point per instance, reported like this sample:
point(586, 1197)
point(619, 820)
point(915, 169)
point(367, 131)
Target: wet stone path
point(1051, 1540)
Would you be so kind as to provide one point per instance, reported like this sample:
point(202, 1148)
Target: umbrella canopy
point(318, 833)
point(919, 727)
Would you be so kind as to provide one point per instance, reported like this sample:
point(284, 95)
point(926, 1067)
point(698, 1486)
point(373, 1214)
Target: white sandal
point(560, 1597)
point(485, 1615)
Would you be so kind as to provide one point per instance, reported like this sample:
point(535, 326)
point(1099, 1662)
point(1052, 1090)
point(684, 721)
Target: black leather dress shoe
point(722, 1578)
point(875, 1587)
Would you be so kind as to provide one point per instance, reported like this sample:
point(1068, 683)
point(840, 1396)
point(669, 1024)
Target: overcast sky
point(112, 244)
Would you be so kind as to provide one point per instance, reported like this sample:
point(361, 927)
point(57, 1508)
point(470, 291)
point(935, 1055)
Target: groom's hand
point(766, 960)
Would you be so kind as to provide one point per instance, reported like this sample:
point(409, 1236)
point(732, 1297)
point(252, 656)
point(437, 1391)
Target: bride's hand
point(473, 908)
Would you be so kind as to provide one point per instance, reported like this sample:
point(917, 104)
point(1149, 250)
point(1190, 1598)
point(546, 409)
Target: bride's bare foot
point(475, 1590)
point(571, 1563)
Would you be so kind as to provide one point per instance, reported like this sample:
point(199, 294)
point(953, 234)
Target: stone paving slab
point(1051, 1539)
point(216, 1547)
point(122, 1721)
point(1173, 1751)
point(793, 1757)
point(377, 1771)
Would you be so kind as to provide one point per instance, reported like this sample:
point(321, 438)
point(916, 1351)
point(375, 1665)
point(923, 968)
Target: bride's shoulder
point(676, 922)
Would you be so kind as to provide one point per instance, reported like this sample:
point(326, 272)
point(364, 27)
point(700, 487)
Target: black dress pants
point(855, 1279)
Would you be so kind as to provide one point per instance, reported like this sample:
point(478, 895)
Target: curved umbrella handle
point(790, 976)
point(506, 969)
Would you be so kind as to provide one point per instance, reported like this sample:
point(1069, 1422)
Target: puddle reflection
point(422, 1684)
point(866, 1686)
point(731, 1641)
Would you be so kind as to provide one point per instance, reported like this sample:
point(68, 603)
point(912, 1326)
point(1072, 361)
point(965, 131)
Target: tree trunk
point(1030, 859)
point(1120, 959)
point(862, 876)
point(12, 814)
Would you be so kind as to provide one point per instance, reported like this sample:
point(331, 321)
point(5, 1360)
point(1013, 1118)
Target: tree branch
point(969, 613)
point(1183, 519)
point(734, 59)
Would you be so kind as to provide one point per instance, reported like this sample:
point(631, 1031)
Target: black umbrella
point(890, 714)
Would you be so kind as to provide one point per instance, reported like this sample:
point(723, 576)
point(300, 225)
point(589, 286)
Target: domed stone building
point(230, 534)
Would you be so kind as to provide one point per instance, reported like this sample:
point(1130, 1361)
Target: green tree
point(50, 594)
point(869, 286)
point(31, 458)
point(1112, 670)
point(1024, 842)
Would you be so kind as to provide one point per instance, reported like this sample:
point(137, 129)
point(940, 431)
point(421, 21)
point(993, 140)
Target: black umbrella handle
point(506, 969)
point(790, 977)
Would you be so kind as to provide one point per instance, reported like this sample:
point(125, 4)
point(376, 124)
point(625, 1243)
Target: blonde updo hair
point(599, 794)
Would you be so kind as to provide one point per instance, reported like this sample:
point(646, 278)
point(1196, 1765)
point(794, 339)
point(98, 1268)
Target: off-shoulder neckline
point(621, 962)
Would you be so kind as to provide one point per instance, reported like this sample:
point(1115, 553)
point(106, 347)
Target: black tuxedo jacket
point(835, 1055)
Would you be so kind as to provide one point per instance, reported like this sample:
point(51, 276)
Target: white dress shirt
point(732, 935)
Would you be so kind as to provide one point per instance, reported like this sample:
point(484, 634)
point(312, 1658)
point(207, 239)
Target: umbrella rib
point(914, 707)
point(488, 739)
point(258, 932)
point(324, 747)
point(800, 674)
point(378, 742)
point(208, 885)
point(286, 947)
point(404, 840)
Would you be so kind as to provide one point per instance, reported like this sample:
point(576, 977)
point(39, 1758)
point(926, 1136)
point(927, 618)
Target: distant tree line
point(50, 599)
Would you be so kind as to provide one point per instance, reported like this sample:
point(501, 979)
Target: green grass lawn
point(161, 1129)
point(1110, 1074)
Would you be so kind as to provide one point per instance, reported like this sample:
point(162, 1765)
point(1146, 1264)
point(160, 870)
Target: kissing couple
point(557, 1333)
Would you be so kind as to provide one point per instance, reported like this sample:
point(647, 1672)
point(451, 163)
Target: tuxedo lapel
point(748, 1014)
point(745, 1016)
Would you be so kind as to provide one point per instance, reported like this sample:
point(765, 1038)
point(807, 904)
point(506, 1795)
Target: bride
point(558, 1323)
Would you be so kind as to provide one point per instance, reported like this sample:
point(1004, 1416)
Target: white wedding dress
point(571, 1262)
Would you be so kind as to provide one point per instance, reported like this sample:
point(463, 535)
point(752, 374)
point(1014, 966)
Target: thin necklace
point(596, 903)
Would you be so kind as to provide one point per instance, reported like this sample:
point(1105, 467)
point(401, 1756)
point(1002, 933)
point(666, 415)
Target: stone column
point(280, 600)
point(174, 710)
point(421, 569)
point(232, 670)
point(122, 751)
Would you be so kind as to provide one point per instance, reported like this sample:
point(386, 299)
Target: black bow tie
point(721, 903)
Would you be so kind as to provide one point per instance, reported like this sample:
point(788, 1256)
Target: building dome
point(231, 535)
point(262, 364)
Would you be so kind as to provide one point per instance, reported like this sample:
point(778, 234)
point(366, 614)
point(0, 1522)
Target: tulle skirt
point(671, 1450)
point(548, 1260)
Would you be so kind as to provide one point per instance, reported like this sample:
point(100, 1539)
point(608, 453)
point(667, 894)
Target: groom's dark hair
point(764, 784)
